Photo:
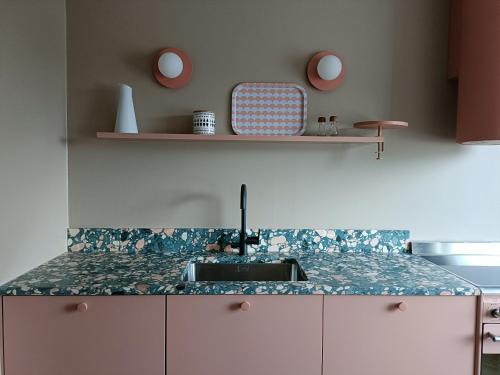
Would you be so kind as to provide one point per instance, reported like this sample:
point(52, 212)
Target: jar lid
point(202, 110)
point(321, 119)
point(333, 118)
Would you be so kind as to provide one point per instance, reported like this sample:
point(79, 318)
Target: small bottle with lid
point(321, 125)
point(332, 126)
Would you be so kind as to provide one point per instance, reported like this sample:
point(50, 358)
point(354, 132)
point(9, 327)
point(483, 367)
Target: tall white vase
point(125, 114)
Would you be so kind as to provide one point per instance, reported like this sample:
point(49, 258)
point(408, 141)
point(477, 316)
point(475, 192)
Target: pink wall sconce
point(172, 68)
point(325, 71)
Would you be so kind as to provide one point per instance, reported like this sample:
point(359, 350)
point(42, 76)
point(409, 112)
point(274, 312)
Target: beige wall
point(395, 54)
point(33, 163)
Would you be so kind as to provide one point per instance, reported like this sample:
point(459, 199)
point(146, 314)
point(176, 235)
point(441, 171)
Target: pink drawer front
point(399, 335)
point(490, 332)
point(244, 335)
point(122, 335)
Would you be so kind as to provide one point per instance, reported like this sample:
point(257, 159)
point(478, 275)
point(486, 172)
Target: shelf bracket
point(380, 145)
point(379, 125)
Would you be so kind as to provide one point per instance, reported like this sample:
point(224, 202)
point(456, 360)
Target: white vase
point(125, 114)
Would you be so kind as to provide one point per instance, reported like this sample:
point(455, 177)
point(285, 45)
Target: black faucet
point(244, 239)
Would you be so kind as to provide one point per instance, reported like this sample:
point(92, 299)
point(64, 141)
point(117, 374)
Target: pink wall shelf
point(236, 138)
point(379, 125)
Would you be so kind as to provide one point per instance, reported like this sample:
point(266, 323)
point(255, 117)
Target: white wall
point(33, 152)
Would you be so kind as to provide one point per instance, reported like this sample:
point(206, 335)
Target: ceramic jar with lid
point(203, 122)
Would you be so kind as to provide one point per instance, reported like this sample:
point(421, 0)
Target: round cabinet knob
point(495, 312)
point(82, 307)
point(402, 306)
point(245, 306)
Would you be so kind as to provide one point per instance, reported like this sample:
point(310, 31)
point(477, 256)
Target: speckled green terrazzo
point(356, 271)
point(282, 241)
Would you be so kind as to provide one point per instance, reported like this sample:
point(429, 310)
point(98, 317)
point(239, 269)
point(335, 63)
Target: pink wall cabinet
point(244, 335)
point(474, 58)
point(399, 335)
point(84, 335)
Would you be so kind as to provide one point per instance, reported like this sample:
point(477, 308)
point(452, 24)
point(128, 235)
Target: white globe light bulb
point(170, 65)
point(329, 67)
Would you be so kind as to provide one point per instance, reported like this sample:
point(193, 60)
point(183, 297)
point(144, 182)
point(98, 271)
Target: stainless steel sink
point(287, 270)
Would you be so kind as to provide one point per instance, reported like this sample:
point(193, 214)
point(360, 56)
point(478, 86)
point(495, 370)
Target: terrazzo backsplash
point(278, 241)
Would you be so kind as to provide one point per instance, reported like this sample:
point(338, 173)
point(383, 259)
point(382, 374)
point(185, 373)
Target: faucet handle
point(254, 240)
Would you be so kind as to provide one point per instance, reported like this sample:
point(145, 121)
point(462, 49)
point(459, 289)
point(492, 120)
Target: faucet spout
point(243, 230)
point(244, 239)
point(243, 197)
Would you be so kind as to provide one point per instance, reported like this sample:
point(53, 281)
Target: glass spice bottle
point(332, 126)
point(321, 125)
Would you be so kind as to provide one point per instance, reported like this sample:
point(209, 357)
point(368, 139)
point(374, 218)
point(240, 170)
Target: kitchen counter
point(107, 273)
point(160, 323)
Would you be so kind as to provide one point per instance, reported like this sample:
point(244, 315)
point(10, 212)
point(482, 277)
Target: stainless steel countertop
point(476, 262)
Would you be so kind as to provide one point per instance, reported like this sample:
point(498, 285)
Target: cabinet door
point(84, 335)
point(1, 336)
point(244, 335)
point(426, 335)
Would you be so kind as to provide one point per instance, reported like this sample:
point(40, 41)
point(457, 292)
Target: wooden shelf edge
point(384, 124)
point(236, 138)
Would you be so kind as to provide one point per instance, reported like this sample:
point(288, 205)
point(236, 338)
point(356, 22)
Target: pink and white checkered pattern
point(269, 109)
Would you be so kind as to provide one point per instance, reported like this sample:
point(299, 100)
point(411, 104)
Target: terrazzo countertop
point(107, 273)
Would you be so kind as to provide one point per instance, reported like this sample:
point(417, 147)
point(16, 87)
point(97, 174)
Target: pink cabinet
point(119, 335)
point(244, 335)
point(474, 58)
point(1, 336)
point(399, 335)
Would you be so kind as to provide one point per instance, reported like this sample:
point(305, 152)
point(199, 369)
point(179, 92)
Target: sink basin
point(287, 270)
